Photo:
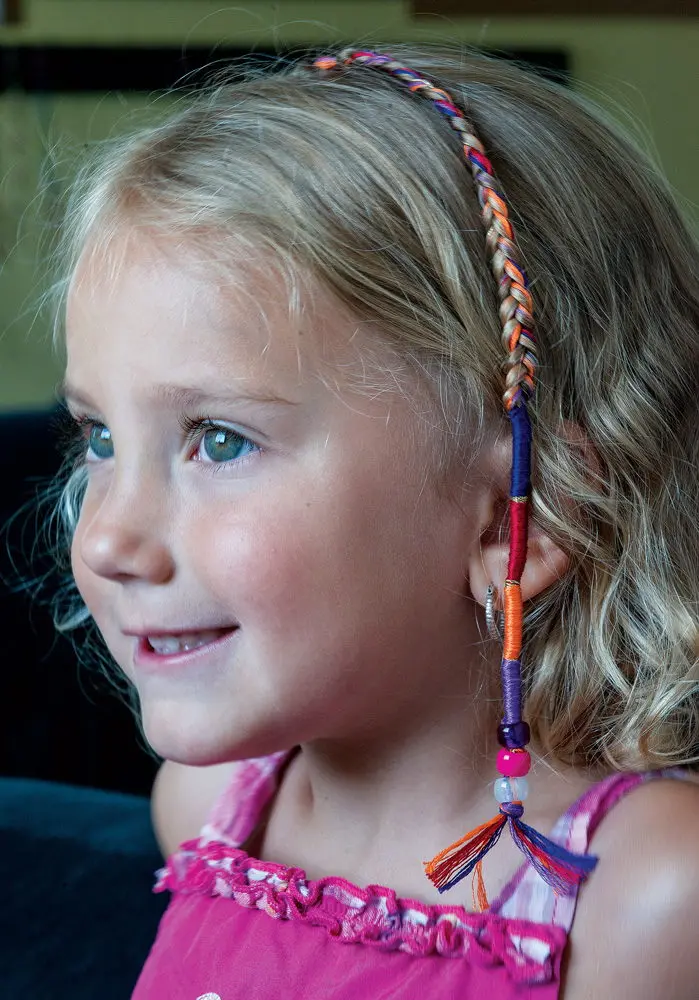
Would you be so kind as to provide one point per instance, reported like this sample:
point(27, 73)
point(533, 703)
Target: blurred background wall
point(643, 68)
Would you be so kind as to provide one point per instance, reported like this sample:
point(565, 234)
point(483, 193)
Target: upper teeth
point(168, 644)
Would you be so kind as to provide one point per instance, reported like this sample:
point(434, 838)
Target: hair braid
point(516, 309)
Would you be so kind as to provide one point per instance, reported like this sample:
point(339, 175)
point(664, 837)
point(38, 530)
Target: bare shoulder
point(181, 799)
point(635, 932)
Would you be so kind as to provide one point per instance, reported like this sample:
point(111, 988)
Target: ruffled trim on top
point(373, 916)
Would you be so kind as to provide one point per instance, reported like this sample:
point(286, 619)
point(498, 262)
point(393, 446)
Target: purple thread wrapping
point(511, 691)
point(513, 810)
point(520, 477)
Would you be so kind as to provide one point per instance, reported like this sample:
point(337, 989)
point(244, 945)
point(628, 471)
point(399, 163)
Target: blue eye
point(221, 444)
point(100, 444)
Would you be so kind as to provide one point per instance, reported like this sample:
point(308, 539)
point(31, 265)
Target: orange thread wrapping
point(512, 599)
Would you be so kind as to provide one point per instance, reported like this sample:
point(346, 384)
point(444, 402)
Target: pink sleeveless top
point(242, 929)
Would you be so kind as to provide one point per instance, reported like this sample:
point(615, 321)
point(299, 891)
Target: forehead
point(155, 299)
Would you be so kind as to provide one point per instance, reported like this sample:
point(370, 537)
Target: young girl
point(313, 321)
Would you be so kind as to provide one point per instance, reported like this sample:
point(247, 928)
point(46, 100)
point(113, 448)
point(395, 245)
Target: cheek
point(328, 564)
point(272, 561)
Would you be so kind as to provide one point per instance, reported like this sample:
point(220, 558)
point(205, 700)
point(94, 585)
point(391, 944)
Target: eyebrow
point(183, 396)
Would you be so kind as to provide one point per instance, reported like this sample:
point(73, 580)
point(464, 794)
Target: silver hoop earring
point(493, 618)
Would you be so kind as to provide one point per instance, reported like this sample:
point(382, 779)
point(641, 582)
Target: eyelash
point(196, 427)
point(73, 434)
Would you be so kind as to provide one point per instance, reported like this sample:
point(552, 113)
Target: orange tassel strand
point(479, 895)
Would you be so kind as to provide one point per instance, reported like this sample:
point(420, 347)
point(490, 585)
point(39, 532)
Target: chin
point(187, 736)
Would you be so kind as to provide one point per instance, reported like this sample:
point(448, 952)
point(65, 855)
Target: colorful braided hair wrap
point(561, 869)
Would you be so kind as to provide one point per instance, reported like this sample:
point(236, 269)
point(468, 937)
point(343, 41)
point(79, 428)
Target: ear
point(546, 561)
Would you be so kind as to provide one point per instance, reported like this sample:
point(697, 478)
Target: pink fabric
point(241, 928)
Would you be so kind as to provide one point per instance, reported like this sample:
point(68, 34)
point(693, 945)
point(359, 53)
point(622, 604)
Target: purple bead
point(513, 735)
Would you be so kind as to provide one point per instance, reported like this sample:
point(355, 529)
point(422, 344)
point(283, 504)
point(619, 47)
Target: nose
point(124, 540)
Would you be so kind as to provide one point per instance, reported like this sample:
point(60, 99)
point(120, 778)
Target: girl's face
point(263, 551)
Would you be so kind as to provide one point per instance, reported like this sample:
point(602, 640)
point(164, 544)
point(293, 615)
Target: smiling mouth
point(184, 642)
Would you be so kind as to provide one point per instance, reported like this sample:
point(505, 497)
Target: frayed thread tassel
point(559, 868)
point(480, 896)
point(460, 858)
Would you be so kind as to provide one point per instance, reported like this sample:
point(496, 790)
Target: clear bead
point(511, 789)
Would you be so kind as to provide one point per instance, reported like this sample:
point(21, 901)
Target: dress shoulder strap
point(527, 896)
point(237, 811)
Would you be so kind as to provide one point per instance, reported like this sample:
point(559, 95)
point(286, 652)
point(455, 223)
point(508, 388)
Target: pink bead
point(514, 763)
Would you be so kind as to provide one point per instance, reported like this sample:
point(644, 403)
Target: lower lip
point(146, 658)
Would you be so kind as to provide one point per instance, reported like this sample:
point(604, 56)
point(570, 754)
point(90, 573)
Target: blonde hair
point(361, 184)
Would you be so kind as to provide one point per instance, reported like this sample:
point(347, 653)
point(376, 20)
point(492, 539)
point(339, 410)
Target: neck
point(369, 807)
point(438, 768)
point(411, 782)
